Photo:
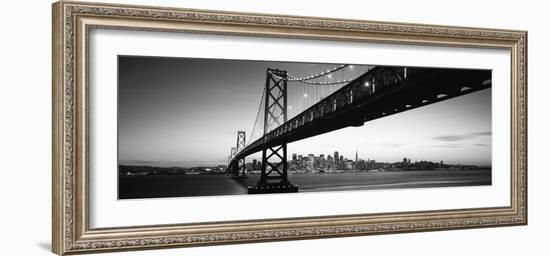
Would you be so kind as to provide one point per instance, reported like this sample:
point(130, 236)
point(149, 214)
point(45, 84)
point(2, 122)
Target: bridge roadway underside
point(421, 88)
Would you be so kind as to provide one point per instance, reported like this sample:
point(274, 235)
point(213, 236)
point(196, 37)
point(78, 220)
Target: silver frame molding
point(72, 22)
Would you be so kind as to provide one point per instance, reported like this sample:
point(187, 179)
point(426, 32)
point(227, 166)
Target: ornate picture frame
point(72, 23)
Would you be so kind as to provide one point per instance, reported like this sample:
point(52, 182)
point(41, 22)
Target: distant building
point(349, 165)
point(336, 160)
point(310, 162)
point(360, 165)
point(330, 162)
point(316, 162)
point(294, 161)
point(322, 161)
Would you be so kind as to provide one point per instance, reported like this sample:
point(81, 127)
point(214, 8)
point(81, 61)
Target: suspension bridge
point(298, 107)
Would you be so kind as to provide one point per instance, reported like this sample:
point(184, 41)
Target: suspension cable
point(257, 115)
point(305, 78)
point(310, 82)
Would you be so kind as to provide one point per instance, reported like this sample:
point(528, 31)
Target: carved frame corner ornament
point(72, 22)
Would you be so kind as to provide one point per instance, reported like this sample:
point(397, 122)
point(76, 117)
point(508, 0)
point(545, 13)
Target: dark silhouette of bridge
point(379, 92)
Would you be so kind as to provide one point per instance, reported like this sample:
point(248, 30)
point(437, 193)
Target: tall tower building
point(310, 161)
point(356, 157)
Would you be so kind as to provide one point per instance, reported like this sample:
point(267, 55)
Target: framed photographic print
point(178, 127)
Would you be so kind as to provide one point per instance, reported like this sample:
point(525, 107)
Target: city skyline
point(326, 156)
point(305, 155)
point(173, 113)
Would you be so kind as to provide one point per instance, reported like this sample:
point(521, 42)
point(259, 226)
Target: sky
point(186, 112)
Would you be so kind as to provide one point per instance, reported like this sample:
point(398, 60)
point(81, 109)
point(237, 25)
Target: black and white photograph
point(212, 127)
point(275, 127)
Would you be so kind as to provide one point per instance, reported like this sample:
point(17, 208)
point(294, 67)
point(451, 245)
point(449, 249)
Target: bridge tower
point(237, 169)
point(240, 171)
point(274, 172)
point(232, 154)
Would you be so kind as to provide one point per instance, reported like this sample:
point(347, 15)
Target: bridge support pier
point(274, 173)
point(238, 170)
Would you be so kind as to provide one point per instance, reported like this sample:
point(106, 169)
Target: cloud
point(451, 138)
point(459, 137)
point(482, 145)
point(392, 145)
point(448, 145)
point(482, 133)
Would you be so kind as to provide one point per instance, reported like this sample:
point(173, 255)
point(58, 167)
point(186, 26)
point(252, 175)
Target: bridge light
point(424, 101)
point(329, 76)
point(350, 66)
point(305, 95)
point(289, 107)
point(367, 84)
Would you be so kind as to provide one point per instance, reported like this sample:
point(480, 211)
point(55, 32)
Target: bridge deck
point(382, 91)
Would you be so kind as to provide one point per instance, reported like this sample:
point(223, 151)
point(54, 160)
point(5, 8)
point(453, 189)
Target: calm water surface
point(219, 184)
